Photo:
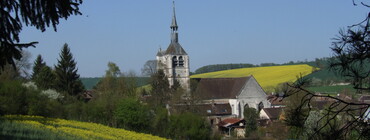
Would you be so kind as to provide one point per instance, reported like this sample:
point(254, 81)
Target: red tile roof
point(230, 121)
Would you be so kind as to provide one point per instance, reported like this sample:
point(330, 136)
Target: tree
point(37, 66)
point(189, 126)
point(160, 89)
point(149, 68)
point(250, 117)
point(67, 79)
point(342, 119)
point(37, 13)
point(132, 115)
point(23, 65)
point(113, 70)
point(45, 78)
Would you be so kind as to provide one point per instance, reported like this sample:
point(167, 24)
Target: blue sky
point(130, 32)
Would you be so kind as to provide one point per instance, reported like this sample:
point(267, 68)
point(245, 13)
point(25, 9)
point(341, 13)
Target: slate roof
point(175, 49)
point(273, 113)
point(220, 88)
point(215, 109)
point(206, 109)
point(161, 53)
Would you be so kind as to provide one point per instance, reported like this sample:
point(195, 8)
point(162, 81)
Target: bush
point(132, 115)
point(189, 126)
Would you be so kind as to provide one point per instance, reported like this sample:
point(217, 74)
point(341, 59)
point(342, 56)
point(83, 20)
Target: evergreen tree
point(67, 79)
point(38, 65)
point(45, 78)
point(160, 89)
point(250, 117)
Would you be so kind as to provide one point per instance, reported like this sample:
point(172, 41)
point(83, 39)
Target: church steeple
point(174, 27)
point(174, 23)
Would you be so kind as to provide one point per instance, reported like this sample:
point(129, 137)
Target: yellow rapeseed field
point(267, 77)
point(80, 130)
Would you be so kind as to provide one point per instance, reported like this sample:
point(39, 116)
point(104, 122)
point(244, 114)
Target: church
point(174, 61)
point(221, 97)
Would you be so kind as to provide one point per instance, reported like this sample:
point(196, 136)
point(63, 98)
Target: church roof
point(161, 53)
point(221, 88)
point(175, 49)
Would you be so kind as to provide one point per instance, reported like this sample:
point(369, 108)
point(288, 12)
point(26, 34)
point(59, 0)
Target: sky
point(130, 32)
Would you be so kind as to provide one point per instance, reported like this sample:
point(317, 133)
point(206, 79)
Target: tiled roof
point(220, 88)
point(230, 121)
point(175, 49)
point(276, 101)
point(273, 113)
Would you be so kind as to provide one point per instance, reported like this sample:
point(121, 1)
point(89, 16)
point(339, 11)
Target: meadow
point(268, 77)
point(37, 127)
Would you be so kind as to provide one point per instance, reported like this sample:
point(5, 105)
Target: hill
point(90, 82)
point(36, 127)
point(268, 77)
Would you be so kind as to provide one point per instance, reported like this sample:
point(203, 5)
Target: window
point(174, 62)
point(260, 106)
point(181, 61)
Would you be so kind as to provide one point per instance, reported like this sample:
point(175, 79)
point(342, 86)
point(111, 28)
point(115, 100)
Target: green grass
point(333, 89)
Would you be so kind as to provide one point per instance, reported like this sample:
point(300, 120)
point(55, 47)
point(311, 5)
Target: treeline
point(115, 101)
point(219, 67)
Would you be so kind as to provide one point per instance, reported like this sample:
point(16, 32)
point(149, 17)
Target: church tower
point(174, 61)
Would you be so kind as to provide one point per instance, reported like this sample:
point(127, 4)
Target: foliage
point(67, 129)
point(37, 66)
point(160, 89)
point(149, 68)
point(45, 78)
point(17, 99)
point(352, 57)
point(67, 79)
point(113, 70)
point(8, 73)
point(161, 122)
point(37, 13)
point(267, 77)
point(189, 126)
point(220, 67)
point(250, 117)
point(91, 82)
point(342, 118)
point(132, 115)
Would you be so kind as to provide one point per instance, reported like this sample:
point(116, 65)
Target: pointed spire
point(174, 23)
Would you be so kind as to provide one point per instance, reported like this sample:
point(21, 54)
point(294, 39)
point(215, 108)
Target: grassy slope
point(267, 77)
point(333, 89)
point(36, 127)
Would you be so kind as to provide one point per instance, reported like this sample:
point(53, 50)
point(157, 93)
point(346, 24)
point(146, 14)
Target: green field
point(333, 89)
